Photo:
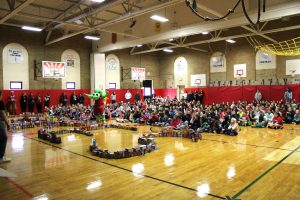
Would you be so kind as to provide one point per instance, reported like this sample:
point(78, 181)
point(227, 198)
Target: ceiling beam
point(15, 11)
point(259, 33)
point(223, 38)
point(42, 6)
point(91, 11)
point(205, 8)
point(119, 19)
point(274, 12)
point(61, 15)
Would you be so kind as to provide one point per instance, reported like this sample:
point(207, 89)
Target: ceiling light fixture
point(171, 39)
point(231, 41)
point(168, 50)
point(31, 28)
point(139, 45)
point(92, 37)
point(205, 33)
point(159, 18)
point(98, 1)
point(78, 21)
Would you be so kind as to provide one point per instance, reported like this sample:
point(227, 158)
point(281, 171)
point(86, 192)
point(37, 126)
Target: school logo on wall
point(112, 64)
point(15, 56)
point(265, 60)
point(217, 63)
point(70, 60)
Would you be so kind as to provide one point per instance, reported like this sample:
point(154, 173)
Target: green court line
point(265, 173)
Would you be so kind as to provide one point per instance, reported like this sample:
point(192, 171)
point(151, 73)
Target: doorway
point(148, 89)
point(180, 91)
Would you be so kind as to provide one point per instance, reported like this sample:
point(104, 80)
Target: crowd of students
point(209, 118)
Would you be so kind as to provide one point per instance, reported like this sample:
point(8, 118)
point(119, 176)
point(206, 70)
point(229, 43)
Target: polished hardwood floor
point(256, 164)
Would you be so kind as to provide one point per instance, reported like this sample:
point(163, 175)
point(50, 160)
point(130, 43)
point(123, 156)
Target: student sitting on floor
point(233, 127)
point(261, 123)
point(277, 122)
point(243, 119)
point(296, 117)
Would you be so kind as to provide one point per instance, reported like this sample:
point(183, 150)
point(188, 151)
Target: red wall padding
point(166, 92)
point(54, 94)
point(211, 94)
point(235, 93)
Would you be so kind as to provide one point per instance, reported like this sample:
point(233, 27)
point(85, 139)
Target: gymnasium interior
point(150, 99)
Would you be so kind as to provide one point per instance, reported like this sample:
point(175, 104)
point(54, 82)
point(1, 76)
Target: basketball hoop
point(197, 82)
point(292, 73)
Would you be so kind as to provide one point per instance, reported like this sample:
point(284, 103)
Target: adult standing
point(39, 104)
point(81, 99)
point(201, 96)
point(73, 99)
point(288, 95)
point(47, 100)
point(63, 99)
point(12, 103)
point(137, 97)
point(128, 96)
point(23, 102)
point(31, 102)
point(4, 126)
point(257, 95)
point(113, 98)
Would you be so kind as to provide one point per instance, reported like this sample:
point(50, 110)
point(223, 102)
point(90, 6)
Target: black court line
point(229, 142)
point(264, 174)
point(254, 145)
point(122, 168)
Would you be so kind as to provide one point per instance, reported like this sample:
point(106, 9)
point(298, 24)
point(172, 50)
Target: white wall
point(16, 70)
point(112, 70)
point(180, 72)
point(72, 72)
point(97, 71)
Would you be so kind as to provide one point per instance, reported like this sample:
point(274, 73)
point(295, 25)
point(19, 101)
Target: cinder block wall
point(148, 61)
point(34, 43)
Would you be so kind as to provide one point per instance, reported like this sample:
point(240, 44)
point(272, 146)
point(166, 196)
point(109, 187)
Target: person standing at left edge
point(4, 126)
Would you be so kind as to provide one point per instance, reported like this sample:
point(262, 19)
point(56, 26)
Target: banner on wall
point(138, 73)
point(112, 64)
point(53, 69)
point(70, 60)
point(198, 80)
point(240, 70)
point(15, 56)
point(217, 63)
point(292, 67)
point(265, 61)
point(180, 71)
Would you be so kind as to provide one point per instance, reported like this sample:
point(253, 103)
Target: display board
point(53, 69)
point(15, 56)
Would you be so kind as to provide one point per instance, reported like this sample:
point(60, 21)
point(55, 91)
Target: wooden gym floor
point(257, 164)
